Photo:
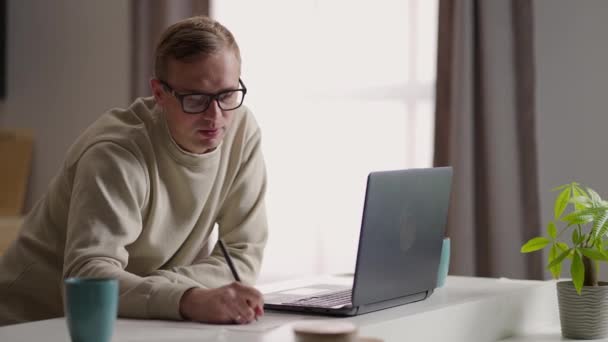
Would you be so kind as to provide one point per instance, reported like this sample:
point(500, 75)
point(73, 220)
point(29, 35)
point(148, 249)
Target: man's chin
point(203, 144)
point(207, 146)
point(210, 149)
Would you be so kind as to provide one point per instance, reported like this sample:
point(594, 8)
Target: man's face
point(208, 74)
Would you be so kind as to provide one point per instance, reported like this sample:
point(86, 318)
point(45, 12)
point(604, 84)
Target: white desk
point(467, 309)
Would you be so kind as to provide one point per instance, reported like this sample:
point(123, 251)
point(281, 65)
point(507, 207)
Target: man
point(141, 190)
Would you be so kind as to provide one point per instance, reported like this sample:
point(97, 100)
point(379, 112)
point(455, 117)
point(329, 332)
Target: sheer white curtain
point(340, 88)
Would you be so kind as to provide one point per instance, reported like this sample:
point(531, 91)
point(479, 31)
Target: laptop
point(402, 230)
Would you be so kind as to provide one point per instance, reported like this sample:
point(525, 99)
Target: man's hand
point(234, 303)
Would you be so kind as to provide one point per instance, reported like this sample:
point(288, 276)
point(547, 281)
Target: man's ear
point(157, 90)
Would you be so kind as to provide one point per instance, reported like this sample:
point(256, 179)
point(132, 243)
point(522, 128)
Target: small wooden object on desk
point(328, 331)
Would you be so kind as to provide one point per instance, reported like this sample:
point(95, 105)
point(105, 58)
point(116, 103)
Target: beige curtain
point(485, 129)
point(149, 19)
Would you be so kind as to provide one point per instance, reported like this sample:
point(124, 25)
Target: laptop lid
point(402, 230)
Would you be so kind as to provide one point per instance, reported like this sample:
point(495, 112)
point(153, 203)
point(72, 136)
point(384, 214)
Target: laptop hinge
point(365, 308)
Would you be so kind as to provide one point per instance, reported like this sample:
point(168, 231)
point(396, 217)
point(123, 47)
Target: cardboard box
point(15, 164)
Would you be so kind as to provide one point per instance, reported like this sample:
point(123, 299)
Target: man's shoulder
point(243, 137)
point(128, 128)
point(245, 126)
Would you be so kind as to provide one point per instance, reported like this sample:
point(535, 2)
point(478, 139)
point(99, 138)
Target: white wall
point(572, 89)
point(68, 61)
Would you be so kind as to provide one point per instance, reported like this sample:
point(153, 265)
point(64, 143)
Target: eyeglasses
point(195, 103)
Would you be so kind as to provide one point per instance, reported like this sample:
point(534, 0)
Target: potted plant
point(583, 301)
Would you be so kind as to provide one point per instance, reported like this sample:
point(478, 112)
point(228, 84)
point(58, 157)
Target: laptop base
point(349, 310)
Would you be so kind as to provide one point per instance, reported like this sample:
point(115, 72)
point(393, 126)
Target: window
point(340, 88)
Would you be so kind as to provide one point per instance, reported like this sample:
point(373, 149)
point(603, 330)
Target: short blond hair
point(190, 38)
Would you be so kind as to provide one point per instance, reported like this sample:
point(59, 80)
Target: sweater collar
point(181, 156)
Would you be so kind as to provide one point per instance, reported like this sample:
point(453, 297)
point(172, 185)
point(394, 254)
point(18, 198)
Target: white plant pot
point(583, 317)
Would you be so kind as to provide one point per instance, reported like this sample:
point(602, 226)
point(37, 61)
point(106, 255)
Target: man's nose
point(213, 111)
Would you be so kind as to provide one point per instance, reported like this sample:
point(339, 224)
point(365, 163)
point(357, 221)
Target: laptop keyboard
point(327, 300)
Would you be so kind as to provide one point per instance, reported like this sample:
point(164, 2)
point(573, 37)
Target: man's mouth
point(209, 133)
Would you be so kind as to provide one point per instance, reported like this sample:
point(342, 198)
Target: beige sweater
point(129, 203)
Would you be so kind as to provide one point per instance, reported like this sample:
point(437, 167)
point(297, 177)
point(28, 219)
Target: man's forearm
point(151, 297)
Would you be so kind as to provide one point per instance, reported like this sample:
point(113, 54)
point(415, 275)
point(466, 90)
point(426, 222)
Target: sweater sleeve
point(108, 193)
point(242, 225)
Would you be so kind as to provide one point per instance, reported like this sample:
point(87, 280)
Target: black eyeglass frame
point(212, 97)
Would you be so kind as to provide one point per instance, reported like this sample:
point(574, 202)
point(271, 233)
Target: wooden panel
point(9, 228)
point(15, 160)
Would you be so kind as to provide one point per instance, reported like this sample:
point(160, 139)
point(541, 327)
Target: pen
point(231, 265)
point(229, 260)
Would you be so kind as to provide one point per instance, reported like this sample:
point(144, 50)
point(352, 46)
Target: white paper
point(267, 322)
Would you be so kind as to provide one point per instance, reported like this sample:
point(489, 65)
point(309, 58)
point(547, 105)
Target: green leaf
point(577, 270)
point(593, 254)
point(561, 187)
point(561, 202)
point(598, 225)
point(595, 197)
point(534, 244)
point(575, 237)
point(581, 202)
point(590, 211)
point(552, 230)
point(603, 231)
point(559, 259)
point(556, 270)
point(583, 240)
point(600, 210)
point(576, 186)
point(578, 217)
point(564, 248)
point(579, 189)
point(584, 216)
point(580, 198)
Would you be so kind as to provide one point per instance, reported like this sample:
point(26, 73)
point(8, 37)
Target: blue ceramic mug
point(91, 307)
point(444, 262)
